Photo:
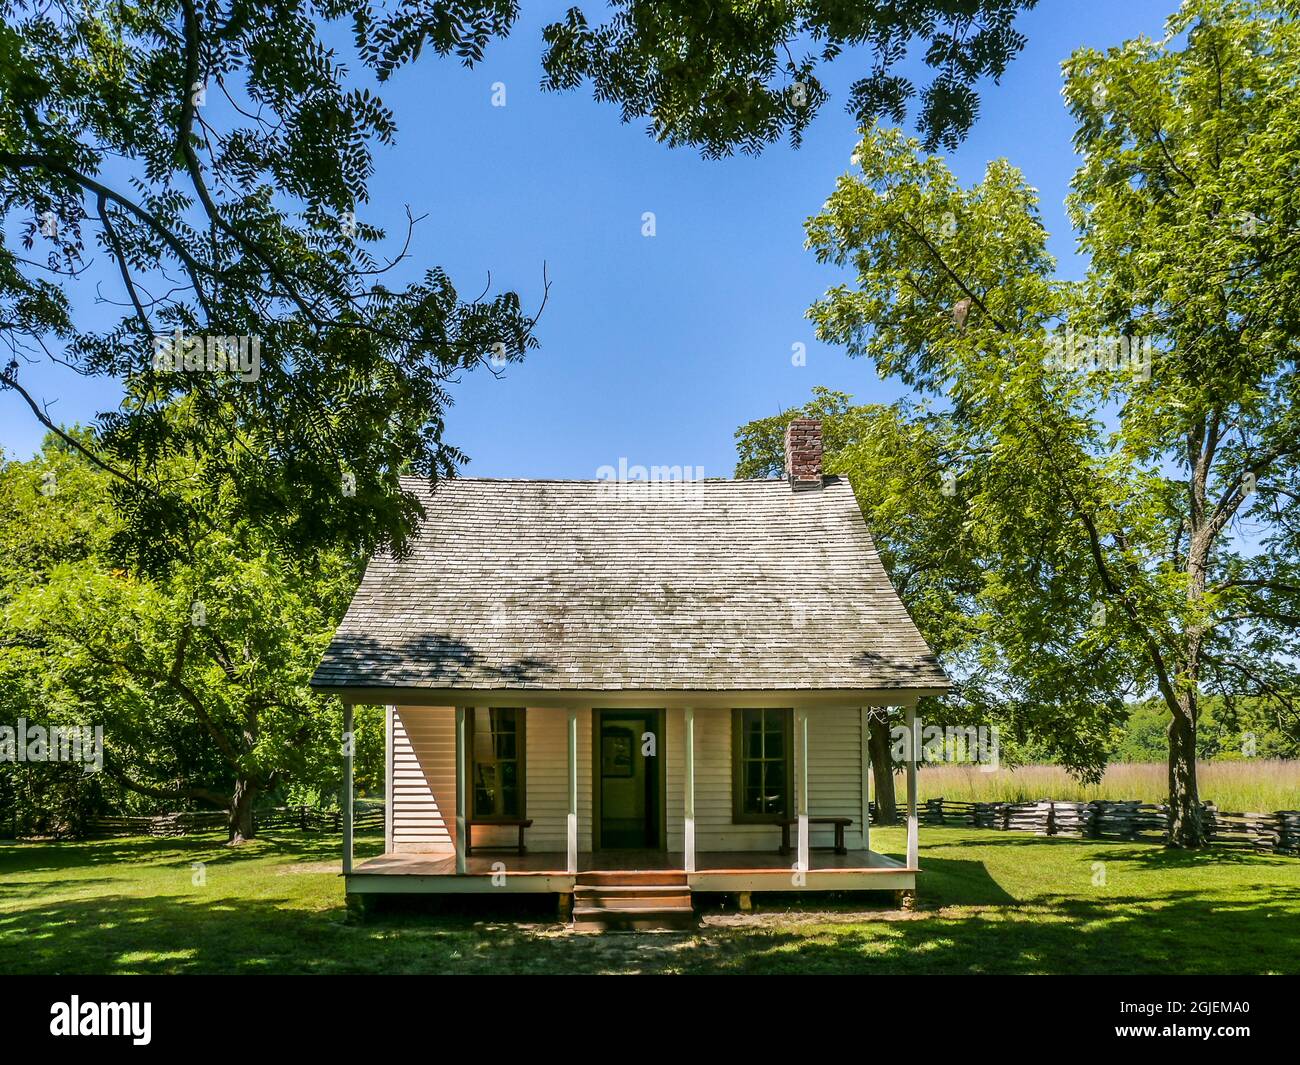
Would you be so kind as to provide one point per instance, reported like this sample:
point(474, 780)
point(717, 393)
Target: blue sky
point(653, 349)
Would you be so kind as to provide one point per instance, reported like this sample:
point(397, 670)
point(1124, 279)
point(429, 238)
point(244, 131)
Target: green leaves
point(200, 676)
point(927, 253)
point(234, 208)
point(741, 75)
point(463, 29)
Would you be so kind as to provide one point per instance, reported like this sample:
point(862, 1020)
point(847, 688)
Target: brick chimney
point(803, 453)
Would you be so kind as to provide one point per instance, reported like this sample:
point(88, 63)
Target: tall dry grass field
point(1259, 785)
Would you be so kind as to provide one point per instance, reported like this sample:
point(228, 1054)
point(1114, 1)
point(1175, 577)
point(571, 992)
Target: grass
point(990, 902)
point(1259, 785)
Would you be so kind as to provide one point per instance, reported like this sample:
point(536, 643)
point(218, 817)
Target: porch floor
point(554, 863)
point(548, 871)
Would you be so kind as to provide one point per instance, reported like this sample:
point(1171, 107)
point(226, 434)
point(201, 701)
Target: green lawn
point(990, 902)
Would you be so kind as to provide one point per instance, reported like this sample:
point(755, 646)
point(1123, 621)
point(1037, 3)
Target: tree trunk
point(1204, 526)
point(241, 811)
point(1185, 828)
point(882, 769)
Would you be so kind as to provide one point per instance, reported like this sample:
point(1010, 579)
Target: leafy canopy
point(216, 155)
point(1135, 524)
point(718, 76)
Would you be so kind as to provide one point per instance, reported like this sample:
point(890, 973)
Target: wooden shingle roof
point(596, 586)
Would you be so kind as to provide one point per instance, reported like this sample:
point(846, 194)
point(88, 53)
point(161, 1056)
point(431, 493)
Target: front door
point(629, 786)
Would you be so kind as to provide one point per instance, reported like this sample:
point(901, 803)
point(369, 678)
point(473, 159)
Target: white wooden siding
point(547, 751)
point(424, 784)
point(424, 781)
point(423, 792)
point(835, 772)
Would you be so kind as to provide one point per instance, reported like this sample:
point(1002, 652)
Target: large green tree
point(1134, 513)
point(199, 676)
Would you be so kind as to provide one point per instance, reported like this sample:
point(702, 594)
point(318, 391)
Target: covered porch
point(753, 865)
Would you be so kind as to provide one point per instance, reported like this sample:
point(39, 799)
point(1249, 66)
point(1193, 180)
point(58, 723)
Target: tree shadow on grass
point(996, 838)
point(958, 878)
point(1126, 934)
point(37, 888)
point(1150, 851)
point(202, 934)
point(1181, 933)
point(1174, 858)
point(57, 855)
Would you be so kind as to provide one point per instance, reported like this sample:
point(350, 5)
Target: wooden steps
point(633, 877)
point(634, 900)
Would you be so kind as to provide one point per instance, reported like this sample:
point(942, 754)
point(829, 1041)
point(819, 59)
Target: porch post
point(801, 740)
point(913, 746)
point(462, 788)
point(349, 744)
point(688, 786)
point(390, 712)
point(573, 791)
point(865, 764)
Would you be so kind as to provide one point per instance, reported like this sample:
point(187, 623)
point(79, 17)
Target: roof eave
point(630, 697)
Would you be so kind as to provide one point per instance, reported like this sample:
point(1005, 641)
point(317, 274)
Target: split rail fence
point(1278, 832)
point(306, 818)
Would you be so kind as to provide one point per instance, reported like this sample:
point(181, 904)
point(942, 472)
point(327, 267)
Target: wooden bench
point(840, 823)
point(521, 825)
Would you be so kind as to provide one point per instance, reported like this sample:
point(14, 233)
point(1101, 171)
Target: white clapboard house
point(622, 693)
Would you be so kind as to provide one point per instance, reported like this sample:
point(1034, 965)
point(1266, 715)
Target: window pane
point(775, 743)
point(485, 790)
point(774, 782)
point(752, 734)
point(496, 752)
point(761, 771)
point(480, 735)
